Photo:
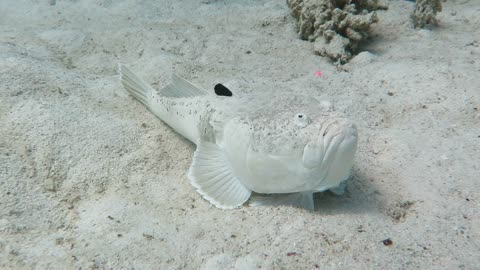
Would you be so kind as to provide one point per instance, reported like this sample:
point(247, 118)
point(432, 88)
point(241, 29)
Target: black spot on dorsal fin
point(221, 90)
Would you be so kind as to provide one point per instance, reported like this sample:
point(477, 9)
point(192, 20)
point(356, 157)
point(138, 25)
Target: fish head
point(328, 156)
point(299, 147)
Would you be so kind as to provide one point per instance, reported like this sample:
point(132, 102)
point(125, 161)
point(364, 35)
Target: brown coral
point(425, 12)
point(336, 26)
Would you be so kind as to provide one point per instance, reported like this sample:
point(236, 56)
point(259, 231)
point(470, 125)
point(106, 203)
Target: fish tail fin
point(135, 85)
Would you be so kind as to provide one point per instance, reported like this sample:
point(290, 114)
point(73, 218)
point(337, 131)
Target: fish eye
point(302, 120)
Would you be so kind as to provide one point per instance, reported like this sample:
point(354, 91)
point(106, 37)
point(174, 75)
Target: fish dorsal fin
point(179, 87)
point(212, 175)
point(222, 90)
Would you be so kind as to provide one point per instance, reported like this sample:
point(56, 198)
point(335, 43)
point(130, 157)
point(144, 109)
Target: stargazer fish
point(244, 145)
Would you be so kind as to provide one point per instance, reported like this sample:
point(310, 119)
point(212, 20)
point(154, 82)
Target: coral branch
point(336, 26)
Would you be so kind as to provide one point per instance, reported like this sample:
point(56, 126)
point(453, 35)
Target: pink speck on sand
point(318, 74)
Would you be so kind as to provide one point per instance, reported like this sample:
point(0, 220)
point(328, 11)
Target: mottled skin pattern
point(247, 143)
point(263, 143)
point(191, 117)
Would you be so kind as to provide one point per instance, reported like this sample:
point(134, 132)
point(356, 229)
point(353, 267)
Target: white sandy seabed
point(89, 179)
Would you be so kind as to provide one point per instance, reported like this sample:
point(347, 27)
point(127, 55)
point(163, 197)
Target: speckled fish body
point(245, 145)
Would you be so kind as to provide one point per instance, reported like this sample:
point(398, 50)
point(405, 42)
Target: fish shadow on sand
point(360, 197)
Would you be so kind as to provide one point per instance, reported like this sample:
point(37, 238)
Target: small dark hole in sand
point(387, 242)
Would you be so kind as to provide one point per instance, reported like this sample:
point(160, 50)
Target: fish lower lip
point(335, 145)
point(329, 156)
point(348, 137)
point(330, 143)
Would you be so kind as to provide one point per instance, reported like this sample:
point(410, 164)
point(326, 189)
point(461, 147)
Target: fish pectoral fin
point(218, 127)
point(212, 175)
point(180, 88)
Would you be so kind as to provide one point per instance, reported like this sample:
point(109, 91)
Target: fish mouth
point(332, 154)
